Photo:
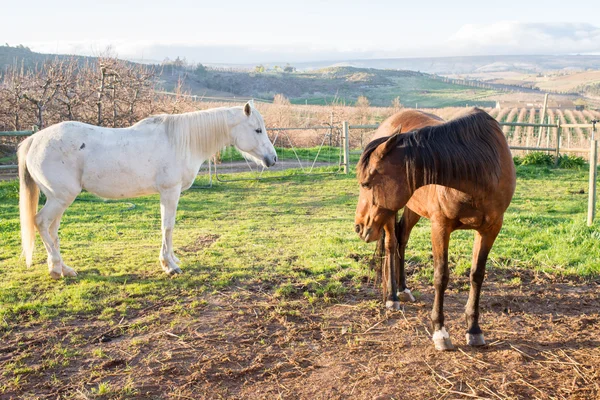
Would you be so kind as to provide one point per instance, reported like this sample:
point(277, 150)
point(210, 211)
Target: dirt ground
point(542, 336)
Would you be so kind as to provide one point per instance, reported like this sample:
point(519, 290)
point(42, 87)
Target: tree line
point(105, 92)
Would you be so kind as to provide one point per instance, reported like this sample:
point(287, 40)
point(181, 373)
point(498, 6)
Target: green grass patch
point(330, 154)
point(294, 235)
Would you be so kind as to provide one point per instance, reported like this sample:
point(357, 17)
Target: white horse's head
point(250, 137)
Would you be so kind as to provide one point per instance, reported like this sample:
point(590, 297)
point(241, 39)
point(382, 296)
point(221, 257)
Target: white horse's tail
point(29, 194)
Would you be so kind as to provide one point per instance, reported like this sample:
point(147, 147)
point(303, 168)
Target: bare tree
point(42, 86)
point(13, 87)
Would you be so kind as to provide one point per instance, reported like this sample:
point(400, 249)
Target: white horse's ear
point(248, 109)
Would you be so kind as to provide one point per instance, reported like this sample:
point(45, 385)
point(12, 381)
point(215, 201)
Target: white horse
point(160, 154)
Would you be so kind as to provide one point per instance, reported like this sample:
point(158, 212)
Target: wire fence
point(300, 151)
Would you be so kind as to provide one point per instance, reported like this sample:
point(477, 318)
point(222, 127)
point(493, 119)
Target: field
point(553, 82)
point(277, 300)
point(528, 136)
point(414, 90)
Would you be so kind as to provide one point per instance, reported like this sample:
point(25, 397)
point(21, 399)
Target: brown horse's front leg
point(390, 285)
point(440, 237)
point(481, 248)
point(403, 229)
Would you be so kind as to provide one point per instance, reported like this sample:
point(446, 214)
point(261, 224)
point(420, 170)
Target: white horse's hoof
point(406, 296)
point(68, 271)
point(393, 305)
point(173, 271)
point(55, 275)
point(475, 340)
point(441, 340)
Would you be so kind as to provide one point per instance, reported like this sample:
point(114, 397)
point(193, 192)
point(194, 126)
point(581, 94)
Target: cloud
point(500, 38)
point(509, 37)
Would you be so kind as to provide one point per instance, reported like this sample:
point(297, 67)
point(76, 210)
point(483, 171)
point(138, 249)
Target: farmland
point(342, 84)
point(524, 136)
point(277, 292)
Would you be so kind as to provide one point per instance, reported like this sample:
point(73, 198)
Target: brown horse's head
point(383, 188)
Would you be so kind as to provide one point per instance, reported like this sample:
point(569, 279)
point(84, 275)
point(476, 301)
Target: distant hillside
point(466, 65)
point(20, 55)
point(344, 84)
point(320, 86)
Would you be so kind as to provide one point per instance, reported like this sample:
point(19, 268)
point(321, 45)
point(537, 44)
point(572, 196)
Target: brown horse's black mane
point(466, 148)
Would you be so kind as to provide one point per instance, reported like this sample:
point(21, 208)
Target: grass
point(294, 236)
point(330, 154)
point(9, 160)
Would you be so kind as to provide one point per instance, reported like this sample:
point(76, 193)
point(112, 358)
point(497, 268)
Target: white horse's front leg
point(168, 208)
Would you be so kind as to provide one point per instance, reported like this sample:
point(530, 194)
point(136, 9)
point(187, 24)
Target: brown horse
point(460, 175)
point(425, 199)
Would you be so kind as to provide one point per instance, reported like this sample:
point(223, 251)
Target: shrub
point(538, 158)
point(518, 160)
point(570, 162)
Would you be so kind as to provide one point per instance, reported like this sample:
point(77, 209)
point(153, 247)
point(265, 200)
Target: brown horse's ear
point(387, 146)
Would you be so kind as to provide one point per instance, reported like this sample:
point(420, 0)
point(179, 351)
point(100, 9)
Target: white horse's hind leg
point(54, 231)
point(66, 270)
point(168, 208)
point(47, 222)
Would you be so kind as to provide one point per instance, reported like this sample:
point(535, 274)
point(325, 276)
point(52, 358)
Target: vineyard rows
point(534, 136)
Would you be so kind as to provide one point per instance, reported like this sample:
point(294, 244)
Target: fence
point(312, 150)
point(335, 144)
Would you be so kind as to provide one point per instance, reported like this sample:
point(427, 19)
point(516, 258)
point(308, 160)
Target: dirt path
point(245, 343)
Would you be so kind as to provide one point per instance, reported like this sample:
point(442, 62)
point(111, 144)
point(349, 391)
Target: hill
point(472, 64)
point(344, 84)
point(23, 56)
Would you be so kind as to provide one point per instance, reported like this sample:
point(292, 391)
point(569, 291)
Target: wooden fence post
point(346, 139)
point(557, 151)
point(593, 173)
point(542, 120)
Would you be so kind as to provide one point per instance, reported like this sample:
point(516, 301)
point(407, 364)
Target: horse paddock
point(277, 300)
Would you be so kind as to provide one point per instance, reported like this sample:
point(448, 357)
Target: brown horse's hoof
point(442, 341)
point(475, 340)
point(406, 296)
point(392, 305)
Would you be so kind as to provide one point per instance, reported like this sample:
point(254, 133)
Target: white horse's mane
point(198, 132)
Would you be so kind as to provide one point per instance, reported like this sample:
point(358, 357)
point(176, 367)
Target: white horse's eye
point(259, 130)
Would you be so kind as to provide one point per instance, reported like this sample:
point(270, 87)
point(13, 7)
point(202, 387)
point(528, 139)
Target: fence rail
point(16, 133)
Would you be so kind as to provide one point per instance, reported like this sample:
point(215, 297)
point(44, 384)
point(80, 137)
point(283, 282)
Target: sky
point(253, 31)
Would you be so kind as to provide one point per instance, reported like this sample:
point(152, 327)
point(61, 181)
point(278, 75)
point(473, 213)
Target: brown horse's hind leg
point(440, 237)
point(481, 248)
point(403, 228)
